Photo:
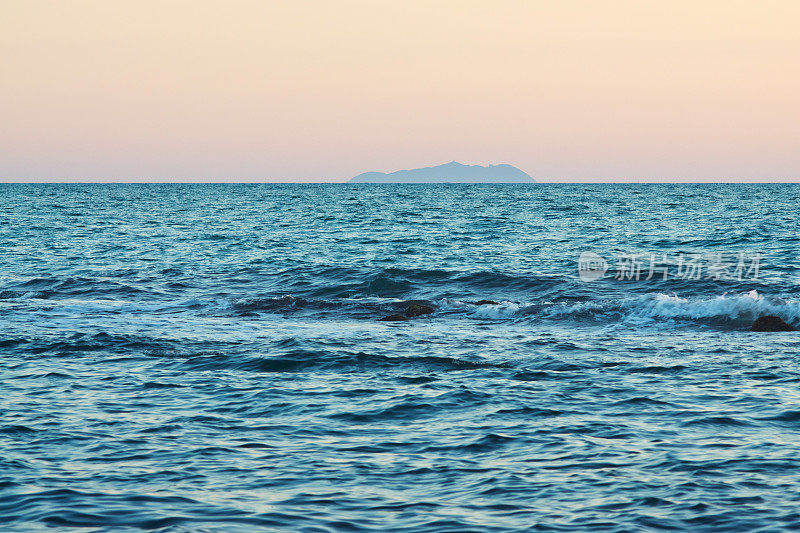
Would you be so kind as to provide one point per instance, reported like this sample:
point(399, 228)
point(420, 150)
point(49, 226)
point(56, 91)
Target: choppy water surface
point(202, 357)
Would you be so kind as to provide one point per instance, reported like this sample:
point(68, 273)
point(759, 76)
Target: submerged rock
point(394, 318)
point(417, 309)
point(770, 323)
point(487, 302)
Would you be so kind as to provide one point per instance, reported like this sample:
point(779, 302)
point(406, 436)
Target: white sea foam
point(735, 307)
point(501, 310)
point(648, 307)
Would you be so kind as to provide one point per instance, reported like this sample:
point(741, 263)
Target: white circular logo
point(591, 266)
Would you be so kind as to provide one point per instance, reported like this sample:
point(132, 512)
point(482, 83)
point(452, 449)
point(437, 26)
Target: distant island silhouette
point(452, 172)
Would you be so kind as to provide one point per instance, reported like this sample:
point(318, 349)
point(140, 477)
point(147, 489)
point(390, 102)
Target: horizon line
point(301, 181)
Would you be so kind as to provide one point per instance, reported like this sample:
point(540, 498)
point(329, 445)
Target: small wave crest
point(734, 310)
point(725, 309)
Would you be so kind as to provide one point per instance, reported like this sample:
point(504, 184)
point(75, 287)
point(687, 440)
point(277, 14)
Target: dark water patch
point(387, 287)
point(78, 343)
point(167, 428)
point(298, 360)
point(530, 375)
point(160, 385)
point(641, 401)
point(416, 380)
point(171, 271)
point(58, 287)
point(16, 429)
point(507, 282)
point(356, 393)
point(529, 412)
point(612, 364)
point(443, 363)
point(12, 343)
point(559, 366)
point(600, 430)
point(487, 443)
point(257, 446)
point(716, 421)
point(77, 509)
point(658, 369)
point(409, 410)
point(763, 375)
point(58, 375)
point(786, 416)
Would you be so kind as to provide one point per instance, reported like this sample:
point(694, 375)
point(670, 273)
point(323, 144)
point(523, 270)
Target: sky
point(241, 90)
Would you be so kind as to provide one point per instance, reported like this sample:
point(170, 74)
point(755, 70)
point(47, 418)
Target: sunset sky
point(322, 90)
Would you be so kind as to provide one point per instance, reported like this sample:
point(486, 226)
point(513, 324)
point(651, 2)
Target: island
point(452, 172)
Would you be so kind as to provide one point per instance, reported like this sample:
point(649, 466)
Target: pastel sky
point(241, 90)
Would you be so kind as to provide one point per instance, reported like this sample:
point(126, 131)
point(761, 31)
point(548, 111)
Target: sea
point(212, 357)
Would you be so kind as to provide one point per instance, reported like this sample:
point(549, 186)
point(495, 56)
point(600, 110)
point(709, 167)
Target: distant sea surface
point(210, 358)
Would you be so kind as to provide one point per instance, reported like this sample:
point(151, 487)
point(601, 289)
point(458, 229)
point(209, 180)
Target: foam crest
point(745, 306)
point(501, 310)
point(742, 308)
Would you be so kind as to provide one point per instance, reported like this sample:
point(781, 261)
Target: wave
point(114, 344)
point(363, 308)
point(735, 310)
point(304, 359)
point(724, 310)
point(56, 287)
point(746, 306)
point(370, 293)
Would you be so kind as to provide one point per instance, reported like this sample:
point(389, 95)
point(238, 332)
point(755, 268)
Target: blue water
point(210, 358)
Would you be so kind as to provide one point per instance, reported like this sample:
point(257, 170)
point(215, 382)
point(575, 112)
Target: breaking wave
point(725, 309)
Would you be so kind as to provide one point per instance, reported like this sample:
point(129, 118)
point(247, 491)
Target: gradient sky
point(323, 90)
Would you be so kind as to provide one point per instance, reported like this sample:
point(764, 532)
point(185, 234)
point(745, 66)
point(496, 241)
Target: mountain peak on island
point(452, 172)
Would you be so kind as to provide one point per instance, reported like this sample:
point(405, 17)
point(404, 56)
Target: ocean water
point(210, 358)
